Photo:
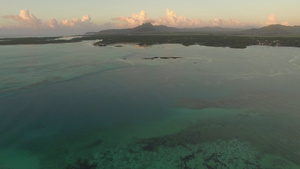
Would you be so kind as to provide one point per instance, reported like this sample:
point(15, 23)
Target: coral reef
point(215, 155)
point(82, 164)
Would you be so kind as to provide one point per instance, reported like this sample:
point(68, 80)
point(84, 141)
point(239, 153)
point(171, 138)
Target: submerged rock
point(82, 164)
point(152, 58)
point(94, 144)
point(218, 154)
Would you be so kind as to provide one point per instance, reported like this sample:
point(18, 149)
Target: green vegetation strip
point(148, 40)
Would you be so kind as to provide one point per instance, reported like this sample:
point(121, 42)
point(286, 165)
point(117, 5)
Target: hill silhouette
point(274, 29)
point(148, 28)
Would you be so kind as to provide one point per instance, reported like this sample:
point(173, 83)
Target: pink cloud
point(172, 19)
point(226, 23)
point(52, 23)
point(75, 22)
point(134, 20)
point(271, 20)
point(285, 23)
point(25, 18)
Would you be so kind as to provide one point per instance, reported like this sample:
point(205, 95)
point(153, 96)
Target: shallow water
point(74, 105)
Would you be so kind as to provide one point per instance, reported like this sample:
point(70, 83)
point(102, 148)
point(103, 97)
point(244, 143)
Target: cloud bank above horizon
point(28, 24)
point(173, 20)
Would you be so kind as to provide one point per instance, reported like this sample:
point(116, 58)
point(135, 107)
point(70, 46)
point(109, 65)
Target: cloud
point(170, 19)
point(173, 20)
point(134, 20)
point(75, 22)
point(52, 23)
point(26, 21)
point(285, 23)
point(271, 20)
point(25, 18)
point(226, 23)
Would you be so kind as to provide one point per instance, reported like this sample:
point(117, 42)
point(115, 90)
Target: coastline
point(231, 41)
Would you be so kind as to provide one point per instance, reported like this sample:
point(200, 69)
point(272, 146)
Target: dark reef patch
point(82, 164)
point(153, 58)
point(94, 144)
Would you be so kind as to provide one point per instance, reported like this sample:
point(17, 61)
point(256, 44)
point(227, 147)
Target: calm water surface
point(75, 106)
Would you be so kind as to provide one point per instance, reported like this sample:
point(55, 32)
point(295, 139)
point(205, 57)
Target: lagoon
point(67, 106)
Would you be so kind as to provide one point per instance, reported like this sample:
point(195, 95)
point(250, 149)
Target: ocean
point(76, 106)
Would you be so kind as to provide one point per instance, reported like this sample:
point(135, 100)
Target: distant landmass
point(148, 28)
point(274, 29)
point(148, 34)
point(145, 28)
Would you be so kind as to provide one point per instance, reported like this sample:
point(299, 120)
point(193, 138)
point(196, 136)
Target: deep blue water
point(111, 108)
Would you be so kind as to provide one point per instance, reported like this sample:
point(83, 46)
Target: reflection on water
point(73, 106)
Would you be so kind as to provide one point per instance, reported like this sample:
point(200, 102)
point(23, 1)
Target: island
point(148, 34)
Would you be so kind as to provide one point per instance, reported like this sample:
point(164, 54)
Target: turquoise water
point(71, 106)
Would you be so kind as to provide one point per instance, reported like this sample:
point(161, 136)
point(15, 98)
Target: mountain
point(274, 29)
point(211, 30)
point(148, 28)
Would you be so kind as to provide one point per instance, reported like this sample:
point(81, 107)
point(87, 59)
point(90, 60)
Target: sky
point(68, 17)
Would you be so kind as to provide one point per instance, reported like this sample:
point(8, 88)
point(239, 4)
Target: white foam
point(68, 37)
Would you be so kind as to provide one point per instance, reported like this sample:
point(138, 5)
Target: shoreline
point(231, 41)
